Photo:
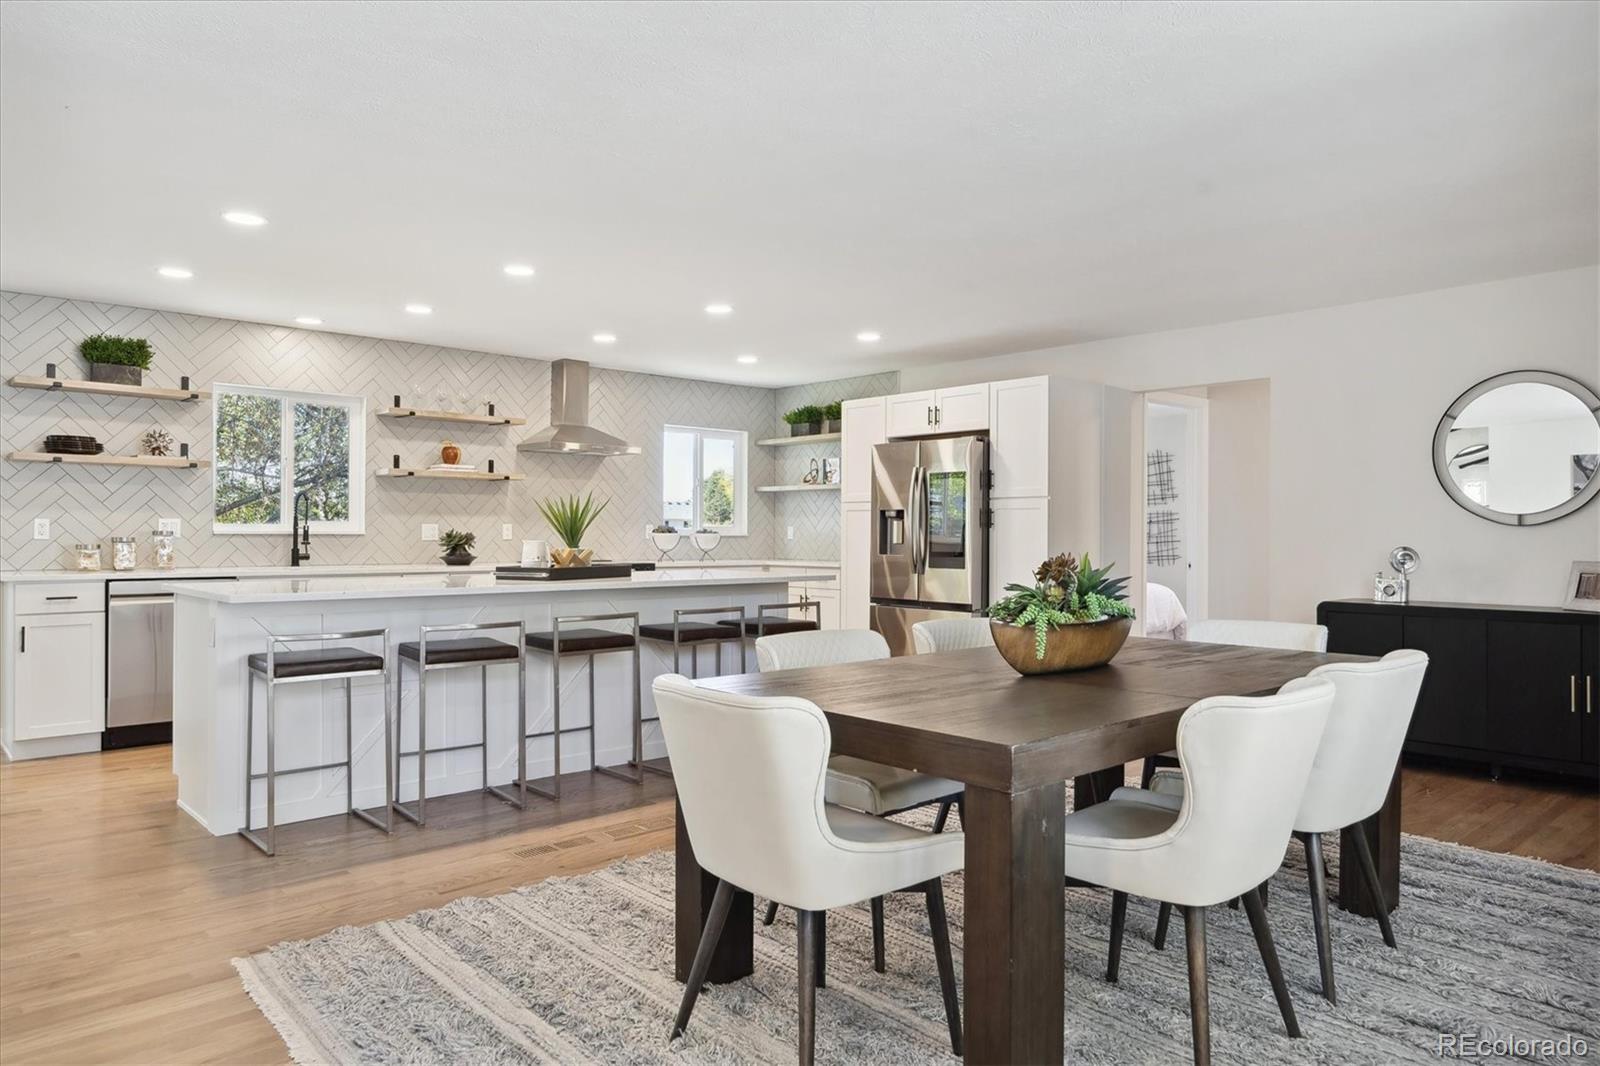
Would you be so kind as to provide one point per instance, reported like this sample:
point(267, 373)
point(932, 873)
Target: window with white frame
point(272, 446)
point(703, 479)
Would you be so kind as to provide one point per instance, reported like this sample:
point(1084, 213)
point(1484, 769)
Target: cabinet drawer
point(61, 597)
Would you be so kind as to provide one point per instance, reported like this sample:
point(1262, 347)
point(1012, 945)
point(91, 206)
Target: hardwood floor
point(118, 915)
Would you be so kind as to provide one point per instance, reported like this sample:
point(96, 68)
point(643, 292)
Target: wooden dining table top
point(968, 716)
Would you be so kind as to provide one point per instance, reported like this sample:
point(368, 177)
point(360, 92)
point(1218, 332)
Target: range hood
point(569, 432)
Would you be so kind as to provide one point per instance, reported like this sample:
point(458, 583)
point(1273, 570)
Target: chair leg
point(1147, 774)
point(1269, 957)
point(1194, 935)
point(1119, 915)
point(940, 818)
point(1317, 877)
point(772, 912)
point(822, 949)
point(1369, 873)
point(1163, 919)
point(806, 972)
point(878, 962)
point(721, 901)
point(947, 967)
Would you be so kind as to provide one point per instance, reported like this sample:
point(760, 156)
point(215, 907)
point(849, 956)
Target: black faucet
point(300, 535)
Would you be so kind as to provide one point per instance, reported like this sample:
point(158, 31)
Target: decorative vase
point(707, 541)
point(458, 557)
point(1080, 646)
point(665, 542)
point(834, 425)
point(116, 374)
point(564, 557)
point(449, 454)
point(805, 429)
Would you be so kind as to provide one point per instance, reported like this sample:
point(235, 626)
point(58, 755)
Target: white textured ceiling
point(965, 178)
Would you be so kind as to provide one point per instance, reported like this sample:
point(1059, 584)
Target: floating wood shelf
point(165, 462)
point(450, 416)
point(814, 438)
point(106, 388)
point(449, 475)
point(834, 487)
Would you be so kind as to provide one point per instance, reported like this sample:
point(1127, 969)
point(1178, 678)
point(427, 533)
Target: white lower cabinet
point(1018, 541)
point(855, 582)
point(60, 683)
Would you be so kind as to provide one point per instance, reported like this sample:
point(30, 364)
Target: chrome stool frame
point(272, 681)
point(555, 653)
point(520, 800)
point(815, 606)
point(694, 660)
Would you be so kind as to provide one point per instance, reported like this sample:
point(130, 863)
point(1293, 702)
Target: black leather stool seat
point(576, 641)
point(769, 624)
point(315, 661)
point(688, 632)
point(463, 650)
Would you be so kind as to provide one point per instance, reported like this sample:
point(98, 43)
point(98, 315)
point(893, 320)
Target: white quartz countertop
point(456, 584)
point(481, 566)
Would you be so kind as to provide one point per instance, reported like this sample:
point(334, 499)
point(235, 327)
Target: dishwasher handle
point(140, 601)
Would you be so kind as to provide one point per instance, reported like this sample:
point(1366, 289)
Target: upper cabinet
point(911, 414)
point(863, 424)
point(958, 409)
point(1019, 432)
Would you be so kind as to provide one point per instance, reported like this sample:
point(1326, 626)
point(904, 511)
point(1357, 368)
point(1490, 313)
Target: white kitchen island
point(218, 625)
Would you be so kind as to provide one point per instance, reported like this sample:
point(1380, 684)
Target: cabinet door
point(1452, 708)
point(855, 556)
point(862, 424)
point(1536, 689)
point(61, 680)
point(1019, 437)
point(911, 414)
point(1018, 540)
point(1362, 632)
point(1591, 691)
point(961, 409)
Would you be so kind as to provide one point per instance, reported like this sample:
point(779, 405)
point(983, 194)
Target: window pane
point(677, 478)
point(249, 459)
point(718, 468)
point(322, 459)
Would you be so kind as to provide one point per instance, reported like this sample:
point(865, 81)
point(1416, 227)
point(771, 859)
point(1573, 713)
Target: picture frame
point(1583, 587)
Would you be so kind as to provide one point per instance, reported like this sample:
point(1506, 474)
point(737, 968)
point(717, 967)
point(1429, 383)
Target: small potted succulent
point(1075, 617)
point(804, 421)
point(665, 538)
point(833, 416)
point(571, 518)
point(706, 539)
point(116, 360)
point(457, 547)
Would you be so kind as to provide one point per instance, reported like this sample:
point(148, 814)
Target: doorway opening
point(1175, 504)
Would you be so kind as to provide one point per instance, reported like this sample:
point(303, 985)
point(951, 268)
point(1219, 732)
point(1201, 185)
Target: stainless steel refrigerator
point(930, 542)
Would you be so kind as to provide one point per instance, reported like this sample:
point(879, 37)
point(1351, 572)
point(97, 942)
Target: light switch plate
point(41, 529)
point(170, 525)
point(791, 532)
point(430, 531)
point(505, 531)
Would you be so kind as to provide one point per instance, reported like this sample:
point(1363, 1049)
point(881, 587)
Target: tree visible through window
point(272, 447)
point(703, 478)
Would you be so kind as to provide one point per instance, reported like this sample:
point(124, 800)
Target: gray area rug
point(580, 970)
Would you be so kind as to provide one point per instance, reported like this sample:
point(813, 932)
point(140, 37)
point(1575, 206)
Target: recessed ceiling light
point(605, 338)
point(175, 272)
point(519, 270)
point(243, 218)
point(307, 320)
point(868, 336)
point(746, 359)
point(419, 309)
point(719, 309)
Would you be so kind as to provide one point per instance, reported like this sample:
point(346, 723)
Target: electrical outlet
point(170, 525)
point(505, 531)
point(791, 532)
point(430, 531)
point(41, 529)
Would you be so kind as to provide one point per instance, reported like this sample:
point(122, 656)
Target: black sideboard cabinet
point(1506, 686)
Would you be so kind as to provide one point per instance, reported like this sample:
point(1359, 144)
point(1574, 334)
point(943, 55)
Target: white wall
point(1356, 392)
point(1240, 519)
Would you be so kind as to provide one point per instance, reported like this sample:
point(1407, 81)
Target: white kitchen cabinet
point(855, 555)
point(961, 409)
point(60, 683)
point(911, 414)
point(862, 423)
point(1019, 434)
point(1018, 541)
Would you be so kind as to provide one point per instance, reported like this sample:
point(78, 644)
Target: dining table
point(1014, 742)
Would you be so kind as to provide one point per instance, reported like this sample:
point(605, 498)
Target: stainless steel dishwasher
point(139, 661)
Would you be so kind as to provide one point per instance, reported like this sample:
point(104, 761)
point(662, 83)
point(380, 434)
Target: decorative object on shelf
point(1402, 560)
point(804, 421)
point(156, 442)
point(665, 538)
point(1075, 617)
point(1583, 587)
point(165, 543)
point(88, 556)
point(706, 540)
point(457, 547)
point(814, 475)
point(62, 444)
point(535, 553)
point(571, 518)
point(449, 454)
point(833, 417)
point(124, 553)
point(116, 360)
point(830, 471)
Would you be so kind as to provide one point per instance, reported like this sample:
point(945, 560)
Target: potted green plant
point(1074, 617)
point(571, 518)
point(116, 360)
point(457, 547)
point(833, 415)
point(804, 421)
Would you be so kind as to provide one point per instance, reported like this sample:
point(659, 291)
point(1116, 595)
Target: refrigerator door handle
point(914, 532)
point(924, 542)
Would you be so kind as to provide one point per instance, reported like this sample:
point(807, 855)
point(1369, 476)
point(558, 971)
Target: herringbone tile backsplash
point(94, 503)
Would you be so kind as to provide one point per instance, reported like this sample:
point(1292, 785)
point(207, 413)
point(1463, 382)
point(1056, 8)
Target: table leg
point(1383, 835)
point(735, 957)
point(1015, 939)
point(1089, 789)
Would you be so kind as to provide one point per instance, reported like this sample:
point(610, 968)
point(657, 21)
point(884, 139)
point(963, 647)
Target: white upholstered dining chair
point(951, 634)
point(1248, 760)
point(751, 774)
point(1349, 781)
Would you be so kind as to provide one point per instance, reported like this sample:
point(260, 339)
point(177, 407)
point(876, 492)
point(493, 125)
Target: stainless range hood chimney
point(569, 432)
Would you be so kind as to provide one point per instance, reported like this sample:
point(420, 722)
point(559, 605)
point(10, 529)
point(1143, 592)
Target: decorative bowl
point(706, 541)
point(665, 542)
point(571, 556)
point(1081, 646)
point(459, 558)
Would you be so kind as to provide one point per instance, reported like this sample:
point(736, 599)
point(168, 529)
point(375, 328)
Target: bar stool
point(694, 634)
point(563, 640)
point(480, 652)
point(318, 664)
point(764, 624)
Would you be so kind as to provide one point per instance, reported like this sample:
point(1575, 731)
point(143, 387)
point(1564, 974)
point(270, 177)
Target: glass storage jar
point(88, 556)
point(166, 549)
point(124, 553)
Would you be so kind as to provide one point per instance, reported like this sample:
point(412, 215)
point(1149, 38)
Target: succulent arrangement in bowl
point(457, 547)
point(1075, 616)
point(665, 538)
